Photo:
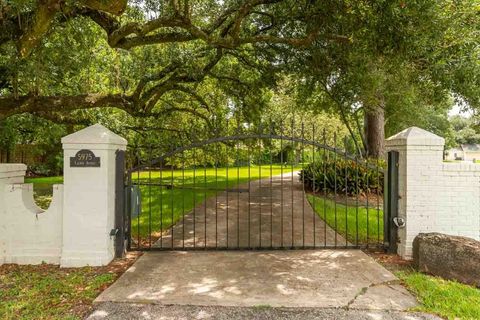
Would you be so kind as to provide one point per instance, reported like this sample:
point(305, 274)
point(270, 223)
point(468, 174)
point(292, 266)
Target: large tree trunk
point(375, 131)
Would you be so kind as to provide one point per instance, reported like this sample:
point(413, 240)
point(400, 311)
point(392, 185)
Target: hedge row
point(340, 175)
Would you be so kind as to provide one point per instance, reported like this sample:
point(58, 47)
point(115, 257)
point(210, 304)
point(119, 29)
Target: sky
point(457, 110)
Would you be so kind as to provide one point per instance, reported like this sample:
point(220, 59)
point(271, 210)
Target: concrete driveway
point(266, 213)
point(242, 284)
point(295, 278)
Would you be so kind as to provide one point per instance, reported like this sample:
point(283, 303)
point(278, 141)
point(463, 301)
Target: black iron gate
point(261, 189)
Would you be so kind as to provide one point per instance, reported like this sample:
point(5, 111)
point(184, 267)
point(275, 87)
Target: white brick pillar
point(89, 196)
point(420, 167)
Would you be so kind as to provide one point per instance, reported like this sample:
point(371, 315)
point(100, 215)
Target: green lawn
point(44, 182)
point(48, 292)
point(164, 206)
point(348, 219)
point(448, 299)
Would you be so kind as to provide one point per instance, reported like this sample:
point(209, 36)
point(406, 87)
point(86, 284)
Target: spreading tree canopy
point(373, 62)
point(215, 29)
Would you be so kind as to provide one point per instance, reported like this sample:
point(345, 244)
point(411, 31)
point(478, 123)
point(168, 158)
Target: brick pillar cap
point(96, 134)
point(415, 136)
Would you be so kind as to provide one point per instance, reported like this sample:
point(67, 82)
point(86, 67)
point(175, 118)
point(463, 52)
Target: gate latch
point(399, 222)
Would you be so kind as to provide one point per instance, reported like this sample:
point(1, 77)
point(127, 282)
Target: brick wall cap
point(12, 167)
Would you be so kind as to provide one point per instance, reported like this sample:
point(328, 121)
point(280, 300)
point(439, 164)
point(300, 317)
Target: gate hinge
point(113, 232)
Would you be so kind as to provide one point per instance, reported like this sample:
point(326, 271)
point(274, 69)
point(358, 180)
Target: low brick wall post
point(28, 234)
point(434, 196)
point(9, 174)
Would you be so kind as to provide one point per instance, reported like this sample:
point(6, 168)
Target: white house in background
point(465, 152)
point(454, 154)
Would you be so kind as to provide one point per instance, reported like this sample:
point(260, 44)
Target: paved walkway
point(292, 278)
point(275, 213)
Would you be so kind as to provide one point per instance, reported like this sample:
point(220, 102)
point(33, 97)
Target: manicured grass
point(346, 220)
point(44, 181)
point(163, 205)
point(48, 292)
point(448, 299)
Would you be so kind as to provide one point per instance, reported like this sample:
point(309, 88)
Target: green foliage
point(41, 135)
point(449, 299)
point(406, 58)
point(465, 131)
point(411, 59)
point(337, 175)
point(52, 166)
point(8, 136)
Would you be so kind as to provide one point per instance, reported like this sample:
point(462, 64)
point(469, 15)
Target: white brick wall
point(28, 234)
point(434, 196)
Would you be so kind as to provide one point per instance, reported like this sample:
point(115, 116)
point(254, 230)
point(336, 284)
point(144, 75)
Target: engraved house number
point(85, 158)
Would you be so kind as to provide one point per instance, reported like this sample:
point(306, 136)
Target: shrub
point(348, 176)
point(51, 166)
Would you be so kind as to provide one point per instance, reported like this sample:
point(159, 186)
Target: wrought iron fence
point(275, 186)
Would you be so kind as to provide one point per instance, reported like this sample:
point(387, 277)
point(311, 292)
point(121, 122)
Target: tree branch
point(152, 128)
point(43, 18)
point(36, 23)
point(45, 104)
point(58, 117)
